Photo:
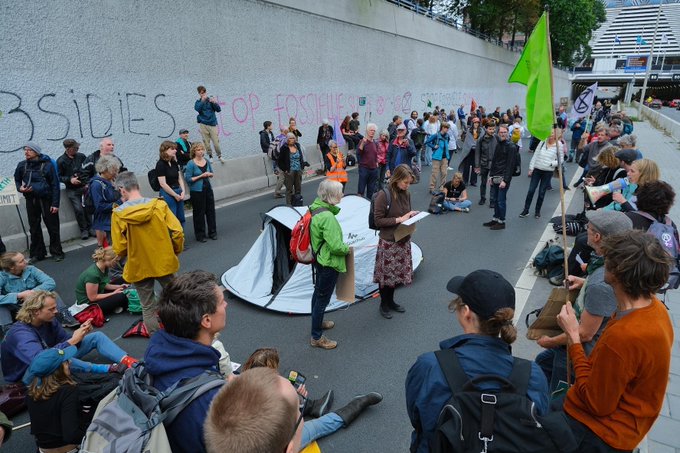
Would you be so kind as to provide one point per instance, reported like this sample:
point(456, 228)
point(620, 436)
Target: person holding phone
point(393, 263)
point(94, 285)
point(206, 107)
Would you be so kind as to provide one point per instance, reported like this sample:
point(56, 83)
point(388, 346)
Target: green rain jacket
point(326, 235)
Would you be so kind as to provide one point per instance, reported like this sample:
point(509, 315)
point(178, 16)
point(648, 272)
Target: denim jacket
point(31, 278)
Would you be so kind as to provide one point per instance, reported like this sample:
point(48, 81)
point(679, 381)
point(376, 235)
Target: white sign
point(8, 192)
point(584, 102)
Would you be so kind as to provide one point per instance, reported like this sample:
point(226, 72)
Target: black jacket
point(266, 137)
point(68, 167)
point(503, 163)
point(320, 139)
point(284, 157)
point(41, 175)
point(88, 168)
point(183, 157)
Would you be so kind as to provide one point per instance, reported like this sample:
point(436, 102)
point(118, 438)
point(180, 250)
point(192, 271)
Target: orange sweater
point(620, 388)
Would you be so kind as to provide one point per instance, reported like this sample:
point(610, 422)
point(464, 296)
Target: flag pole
point(560, 159)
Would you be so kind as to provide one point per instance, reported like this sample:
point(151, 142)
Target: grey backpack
point(131, 418)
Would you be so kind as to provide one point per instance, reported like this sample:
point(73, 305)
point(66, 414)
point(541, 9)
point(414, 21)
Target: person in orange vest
point(335, 164)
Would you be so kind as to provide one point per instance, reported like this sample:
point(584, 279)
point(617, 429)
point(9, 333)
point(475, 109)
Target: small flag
point(584, 102)
point(337, 133)
point(534, 70)
point(429, 104)
point(664, 39)
point(640, 41)
point(473, 107)
point(617, 40)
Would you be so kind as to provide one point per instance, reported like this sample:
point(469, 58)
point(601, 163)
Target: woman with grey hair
point(330, 251)
point(335, 164)
point(104, 196)
point(291, 162)
point(629, 141)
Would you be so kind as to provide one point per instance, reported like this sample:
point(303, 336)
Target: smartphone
point(297, 379)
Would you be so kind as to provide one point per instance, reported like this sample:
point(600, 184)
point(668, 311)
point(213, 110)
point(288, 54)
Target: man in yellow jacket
point(149, 234)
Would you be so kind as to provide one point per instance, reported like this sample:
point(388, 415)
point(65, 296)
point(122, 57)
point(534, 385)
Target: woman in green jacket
point(326, 236)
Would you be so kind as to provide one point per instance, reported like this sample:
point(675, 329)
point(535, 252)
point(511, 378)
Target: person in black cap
point(484, 306)
point(183, 148)
point(68, 166)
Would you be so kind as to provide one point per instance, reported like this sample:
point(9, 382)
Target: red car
point(674, 103)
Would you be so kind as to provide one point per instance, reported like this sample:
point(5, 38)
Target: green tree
point(572, 23)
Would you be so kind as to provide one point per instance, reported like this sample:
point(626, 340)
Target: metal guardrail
point(457, 24)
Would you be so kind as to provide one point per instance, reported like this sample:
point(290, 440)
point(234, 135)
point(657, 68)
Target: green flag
point(429, 103)
point(533, 70)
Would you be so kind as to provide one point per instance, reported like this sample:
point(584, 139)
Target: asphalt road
point(670, 113)
point(373, 354)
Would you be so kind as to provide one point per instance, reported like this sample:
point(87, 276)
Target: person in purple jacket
point(37, 329)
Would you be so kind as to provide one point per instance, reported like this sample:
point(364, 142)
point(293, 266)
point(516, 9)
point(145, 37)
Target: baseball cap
point(401, 127)
point(609, 222)
point(70, 143)
point(47, 362)
point(627, 155)
point(484, 291)
point(183, 131)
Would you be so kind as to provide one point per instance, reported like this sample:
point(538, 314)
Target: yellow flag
point(533, 70)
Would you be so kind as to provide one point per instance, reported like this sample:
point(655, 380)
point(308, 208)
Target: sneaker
point(84, 235)
point(537, 215)
point(524, 214)
point(323, 343)
point(491, 223)
point(66, 319)
point(117, 368)
point(498, 226)
point(118, 310)
point(327, 325)
point(449, 169)
point(549, 188)
point(59, 258)
point(465, 210)
point(222, 161)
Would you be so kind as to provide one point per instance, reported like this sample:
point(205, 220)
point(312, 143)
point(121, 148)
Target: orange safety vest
point(339, 174)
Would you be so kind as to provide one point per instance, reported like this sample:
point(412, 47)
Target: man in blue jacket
point(36, 177)
point(192, 309)
point(206, 107)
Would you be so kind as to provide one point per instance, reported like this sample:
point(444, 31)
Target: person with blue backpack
point(36, 177)
point(439, 144)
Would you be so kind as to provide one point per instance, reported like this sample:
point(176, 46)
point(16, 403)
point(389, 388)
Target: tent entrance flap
point(283, 264)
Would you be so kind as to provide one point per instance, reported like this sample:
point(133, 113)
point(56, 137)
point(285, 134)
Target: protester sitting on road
point(543, 164)
point(326, 238)
point(94, 285)
point(484, 307)
point(620, 389)
point(104, 197)
point(254, 414)
point(192, 309)
point(641, 172)
point(197, 174)
point(19, 281)
point(324, 422)
point(393, 263)
point(595, 302)
point(53, 403)
point(37, 329)
point(455, 194)
point(171, 179)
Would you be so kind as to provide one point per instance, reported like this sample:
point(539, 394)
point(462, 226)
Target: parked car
point(674, 103)
point(656, 104)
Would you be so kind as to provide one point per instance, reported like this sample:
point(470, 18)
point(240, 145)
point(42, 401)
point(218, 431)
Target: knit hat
point(34, 146)
point(47, 362)
point(484, 291)
point(608, 223)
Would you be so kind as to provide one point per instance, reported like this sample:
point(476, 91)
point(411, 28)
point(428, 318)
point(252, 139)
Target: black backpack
point(495, 420)
point(549, 263)
point(153, 180)
point(371, 210)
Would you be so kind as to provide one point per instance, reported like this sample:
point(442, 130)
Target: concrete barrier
point(659, 121)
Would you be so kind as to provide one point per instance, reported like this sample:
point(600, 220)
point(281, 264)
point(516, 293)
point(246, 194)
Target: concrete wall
point(659, 121)
point(127, 69)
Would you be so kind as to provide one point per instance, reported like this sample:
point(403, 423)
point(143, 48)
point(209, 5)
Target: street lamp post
point(649, 62)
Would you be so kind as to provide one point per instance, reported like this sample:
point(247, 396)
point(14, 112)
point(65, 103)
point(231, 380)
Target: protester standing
point(543, 164)
point(383, 147)
point(335, 164)
point(68, 168)
point(484, 149)
point(36, 178)
point(206, 106)
point(330, 250)
point(467, 164)
point(500, 175)
point(104, 197)
point(439, 144)
point(198, 173)
point(170, 179)
point(367, 155)
point(291, 162)
point(393, 263)
point(324, 136)
point(183, 148)
point(401, 151)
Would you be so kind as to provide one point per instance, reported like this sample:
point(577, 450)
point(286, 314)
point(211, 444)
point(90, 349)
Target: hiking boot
point(327, 325)
point(66, 319)
point(396, 307)
point(324, 343)
point(482, 201)
point(385, 312)
point(490, 224)
point(320, 407)
point(498, 226)
point(524, 214)
point(359, 403)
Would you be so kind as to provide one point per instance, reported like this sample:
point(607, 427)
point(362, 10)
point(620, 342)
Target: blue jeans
point(368, 179)
point(499, 195)
point(103, 344)
point(177, 207)
point(320, 427)
point(553, 363)
point(454, 205)
point(428, 156)
point(541, 177)
point(326, 277)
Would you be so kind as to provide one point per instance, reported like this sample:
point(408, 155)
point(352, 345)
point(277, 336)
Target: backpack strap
point(313, 213)
point(189, 390)
point(520, 375)
point(453, 371)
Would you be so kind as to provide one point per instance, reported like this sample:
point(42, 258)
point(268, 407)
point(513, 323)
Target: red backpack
point(301, 238)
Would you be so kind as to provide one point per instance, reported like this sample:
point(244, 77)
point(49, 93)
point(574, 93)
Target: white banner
point(8, 192)
point(584, 103)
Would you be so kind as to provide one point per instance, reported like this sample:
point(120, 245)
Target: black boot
point(355, 407)
point(386, 294)
point(396, 307)
point(317, 408)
